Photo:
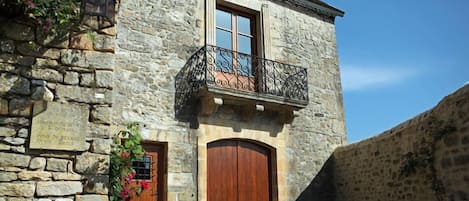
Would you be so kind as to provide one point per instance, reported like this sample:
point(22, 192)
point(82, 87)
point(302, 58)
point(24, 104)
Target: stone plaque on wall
point(57, 126)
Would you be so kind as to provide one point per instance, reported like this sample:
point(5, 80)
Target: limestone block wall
point(307, 39)
point(75, 71)
point(425, 158)
point(155, 39)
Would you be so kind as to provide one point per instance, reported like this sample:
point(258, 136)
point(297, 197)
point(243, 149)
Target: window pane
point(244, 44)
point(224, 39)
point(223, 19)
point(244, 25)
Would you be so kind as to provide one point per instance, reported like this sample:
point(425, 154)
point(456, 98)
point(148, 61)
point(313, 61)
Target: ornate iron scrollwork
point(221, 68)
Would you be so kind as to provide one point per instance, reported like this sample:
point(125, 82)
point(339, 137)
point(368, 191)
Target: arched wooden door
point(238, 171)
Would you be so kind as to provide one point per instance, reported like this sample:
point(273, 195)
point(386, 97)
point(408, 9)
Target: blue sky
point(399, 58)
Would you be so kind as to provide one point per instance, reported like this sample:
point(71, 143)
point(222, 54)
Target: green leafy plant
point(126, 149)
point(51, 16)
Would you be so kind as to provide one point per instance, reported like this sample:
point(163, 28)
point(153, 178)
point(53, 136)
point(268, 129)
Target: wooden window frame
point(235, 12)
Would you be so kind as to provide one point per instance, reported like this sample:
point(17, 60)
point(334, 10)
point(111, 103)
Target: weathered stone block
point(8, 176)
point(57, 165)
point(59, 126)
point(10, 169)
point(81, 94)
point(88, 59)
point(3, 108)
point(18, 149)
point(4, 147)
point(59, 41)
point(91, 198)
point(42, 93)
point(35, 175)
point(43, 199)
point(104, 43)
point(109, 31)
point(68, 176)
point(21, 121)
point(71, 78)
point(42, 63)
point(37, 163)
point(16, 160)
point(98, 131)
point(23, 133)
point(14, 140)
point(18, 31)
point(14, 84)
point(38, 82)
point(63, 199)
point(58, 188)
point(20, 107)
point(17, 189)
point(17, 59)
point(81, 41)
point(101, 146)
point(104, 79)
point(7, 46)
point(88, 79)
point(47, 74)
point(100, 79)
point(90, 163)
point(7, 132)
point(101, 115)
point(97, 184)
point(19, 199)
point(38, 51)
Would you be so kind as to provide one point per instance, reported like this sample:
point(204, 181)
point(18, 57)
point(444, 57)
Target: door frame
point(162, 167)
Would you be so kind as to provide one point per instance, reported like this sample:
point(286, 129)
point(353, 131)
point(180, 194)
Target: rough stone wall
point(155, 39)
point(396, 165)
point(303, 38)
point(70, 70)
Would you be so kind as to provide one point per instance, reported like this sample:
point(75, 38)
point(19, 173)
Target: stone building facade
point(163, 64)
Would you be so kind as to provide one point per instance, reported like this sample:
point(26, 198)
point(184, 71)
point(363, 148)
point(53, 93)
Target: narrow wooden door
point(151, 170)
point(238, 171)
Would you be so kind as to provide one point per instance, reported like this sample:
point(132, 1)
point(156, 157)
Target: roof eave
point(321, 8)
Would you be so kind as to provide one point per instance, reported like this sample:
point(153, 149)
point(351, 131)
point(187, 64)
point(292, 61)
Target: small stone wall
point(75, 70)
point(423, 159)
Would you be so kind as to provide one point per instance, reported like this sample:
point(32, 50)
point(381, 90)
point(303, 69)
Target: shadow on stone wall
point(322, 187)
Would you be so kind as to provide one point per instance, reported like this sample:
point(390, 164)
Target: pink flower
point(125, 193)
point(144, 185)
point(130, 177)
point(125, 155)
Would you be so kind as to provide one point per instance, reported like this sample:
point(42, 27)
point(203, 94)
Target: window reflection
point(223, 19)
point(244, 25)
point(224, 39)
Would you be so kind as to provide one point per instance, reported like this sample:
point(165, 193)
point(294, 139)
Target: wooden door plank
point(253, 172)
point(222, 171)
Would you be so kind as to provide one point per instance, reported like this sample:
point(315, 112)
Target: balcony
point(215, 76)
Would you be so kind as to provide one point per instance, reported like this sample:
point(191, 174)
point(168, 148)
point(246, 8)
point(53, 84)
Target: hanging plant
point(51, 16)
point(123, 185)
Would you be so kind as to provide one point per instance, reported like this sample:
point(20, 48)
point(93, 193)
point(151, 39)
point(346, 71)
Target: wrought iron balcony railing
point(224, 71)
